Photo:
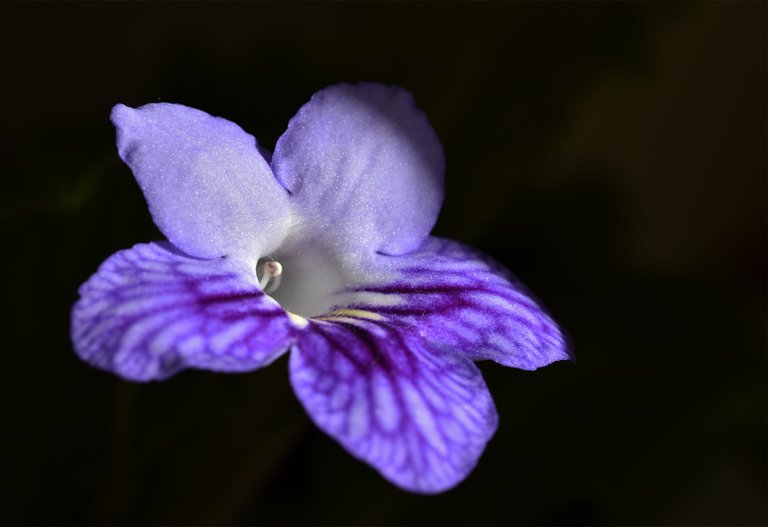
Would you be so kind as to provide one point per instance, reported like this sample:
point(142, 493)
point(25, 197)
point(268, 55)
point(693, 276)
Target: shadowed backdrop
point(612, 155)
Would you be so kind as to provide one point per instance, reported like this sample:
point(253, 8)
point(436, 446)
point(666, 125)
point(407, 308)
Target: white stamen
point(271, 275)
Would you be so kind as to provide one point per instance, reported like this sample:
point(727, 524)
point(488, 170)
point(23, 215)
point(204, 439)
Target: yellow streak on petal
point(355, 313)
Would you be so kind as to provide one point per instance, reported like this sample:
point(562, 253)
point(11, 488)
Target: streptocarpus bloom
point(322, 249)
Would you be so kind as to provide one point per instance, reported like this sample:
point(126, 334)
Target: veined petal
point(364, 166)
point(150, 311)
point(209, 189)
point(458, 297)
point(418, 415)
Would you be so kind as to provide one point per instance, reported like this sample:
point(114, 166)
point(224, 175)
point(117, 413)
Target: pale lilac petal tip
point(364, 164)
point(208, 188)
point(420, 416)
point(149, 312)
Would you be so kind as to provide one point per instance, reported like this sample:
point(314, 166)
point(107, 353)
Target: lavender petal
point(149, 312)
point(458, 297)
point(209, 189)
point(419, 415)
point(364, 167)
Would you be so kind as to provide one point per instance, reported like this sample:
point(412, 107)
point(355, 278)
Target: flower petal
point(149, 312)
point(458, 297)
point(208, 188)
point(419, 416)
point(365, 166)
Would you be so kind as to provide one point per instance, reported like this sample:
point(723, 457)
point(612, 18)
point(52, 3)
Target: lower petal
point(458, 297)
point(419, 415)
point(150, 311)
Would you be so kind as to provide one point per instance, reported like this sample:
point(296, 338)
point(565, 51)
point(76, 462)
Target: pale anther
point(271, 274)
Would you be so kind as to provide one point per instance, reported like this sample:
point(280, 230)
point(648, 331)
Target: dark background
point(612, 155)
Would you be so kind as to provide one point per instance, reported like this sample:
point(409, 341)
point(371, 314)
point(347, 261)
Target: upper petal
point(456, 296)
point(419, 415)
point(209, 189)
point(149, 312)
point(365, 167)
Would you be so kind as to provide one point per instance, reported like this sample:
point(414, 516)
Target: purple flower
point(323, 250)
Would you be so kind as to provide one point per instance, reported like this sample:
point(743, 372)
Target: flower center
point(306, 280)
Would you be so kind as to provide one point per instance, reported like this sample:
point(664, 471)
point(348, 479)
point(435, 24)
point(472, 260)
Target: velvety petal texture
point(208, 188)
point(150, 311)
point(458, 297)
point(419, 415)
point(364, 167)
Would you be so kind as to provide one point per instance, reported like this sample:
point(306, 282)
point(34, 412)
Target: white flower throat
point(308, 281)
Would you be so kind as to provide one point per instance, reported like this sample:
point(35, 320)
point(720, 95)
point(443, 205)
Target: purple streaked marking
point(150, 312)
